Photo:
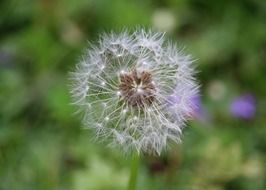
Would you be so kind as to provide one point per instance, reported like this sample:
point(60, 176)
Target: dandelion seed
point(124, 111)
point(118, 93)
point(127, 87)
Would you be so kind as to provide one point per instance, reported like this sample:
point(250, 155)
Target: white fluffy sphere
point(135, 90)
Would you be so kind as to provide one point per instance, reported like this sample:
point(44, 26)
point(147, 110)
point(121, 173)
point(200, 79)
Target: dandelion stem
point(134, 172)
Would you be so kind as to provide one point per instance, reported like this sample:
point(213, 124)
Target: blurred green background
point(42, 143)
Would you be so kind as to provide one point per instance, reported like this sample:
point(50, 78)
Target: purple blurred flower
point(243, 107)
point(197, 106)
point(196, 109)
point(199, 112)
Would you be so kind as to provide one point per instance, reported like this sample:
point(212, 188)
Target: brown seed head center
point(137, 88)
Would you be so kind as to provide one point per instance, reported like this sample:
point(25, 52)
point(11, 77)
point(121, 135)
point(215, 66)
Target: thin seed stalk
point(134, 172)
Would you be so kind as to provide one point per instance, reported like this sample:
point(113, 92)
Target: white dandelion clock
point(135, 90)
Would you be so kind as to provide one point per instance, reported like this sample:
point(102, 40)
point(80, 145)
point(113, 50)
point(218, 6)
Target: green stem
point(134, 172)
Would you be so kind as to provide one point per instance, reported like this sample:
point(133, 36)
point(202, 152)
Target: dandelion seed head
point(135, 90)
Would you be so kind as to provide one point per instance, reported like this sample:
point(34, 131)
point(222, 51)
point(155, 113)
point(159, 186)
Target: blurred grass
point(42, 144)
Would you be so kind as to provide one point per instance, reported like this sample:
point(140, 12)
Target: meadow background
point(42, 144)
